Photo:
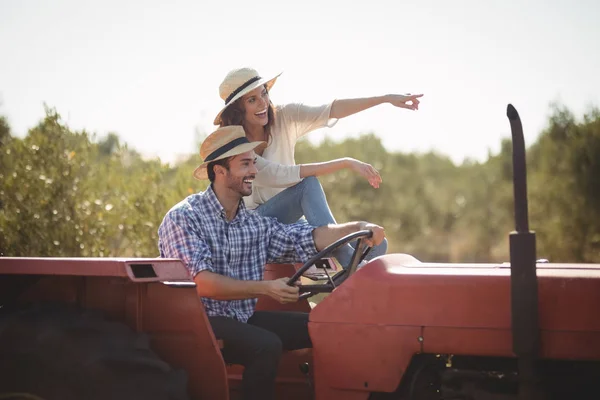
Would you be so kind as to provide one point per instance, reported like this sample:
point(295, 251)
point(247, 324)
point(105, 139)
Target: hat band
point(244, 86)
point(225, 148)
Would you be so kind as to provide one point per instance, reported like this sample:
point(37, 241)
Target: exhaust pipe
point(523, 278)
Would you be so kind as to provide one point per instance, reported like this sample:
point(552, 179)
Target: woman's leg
point(308, 198)
point(316, 209)
point(285, 206)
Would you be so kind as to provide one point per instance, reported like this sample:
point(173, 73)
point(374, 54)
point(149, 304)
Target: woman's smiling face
point(256, 106)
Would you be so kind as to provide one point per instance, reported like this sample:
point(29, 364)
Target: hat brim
point(201, 172)
point(264, 81)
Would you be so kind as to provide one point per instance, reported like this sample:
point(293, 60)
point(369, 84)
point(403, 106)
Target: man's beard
point(240, 187)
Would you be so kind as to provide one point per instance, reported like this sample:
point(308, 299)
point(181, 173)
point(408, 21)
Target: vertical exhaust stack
point(523, 278)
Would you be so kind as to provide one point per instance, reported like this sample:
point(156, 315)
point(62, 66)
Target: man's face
point(241, 173)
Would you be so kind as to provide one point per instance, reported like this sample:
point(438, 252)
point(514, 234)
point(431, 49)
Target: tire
point(56, 352)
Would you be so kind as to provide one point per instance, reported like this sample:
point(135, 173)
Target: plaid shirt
point(197, 232)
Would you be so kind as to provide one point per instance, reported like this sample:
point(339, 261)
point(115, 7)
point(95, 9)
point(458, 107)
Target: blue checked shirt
point(197, 232)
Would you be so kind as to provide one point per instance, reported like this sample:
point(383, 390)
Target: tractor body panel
point(366, 332)
point(133, 291)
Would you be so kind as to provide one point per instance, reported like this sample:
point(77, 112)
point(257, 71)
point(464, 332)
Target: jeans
point(308, 198)
point(258, 344)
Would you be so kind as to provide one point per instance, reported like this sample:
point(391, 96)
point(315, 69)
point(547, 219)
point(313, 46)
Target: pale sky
point(150, 70)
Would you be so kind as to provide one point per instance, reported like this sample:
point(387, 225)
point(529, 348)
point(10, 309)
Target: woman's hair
point(234, 115)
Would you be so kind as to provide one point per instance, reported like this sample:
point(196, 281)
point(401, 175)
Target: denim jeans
point(308, 198)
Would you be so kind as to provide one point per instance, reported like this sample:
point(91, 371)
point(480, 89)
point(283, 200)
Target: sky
point(150, 70)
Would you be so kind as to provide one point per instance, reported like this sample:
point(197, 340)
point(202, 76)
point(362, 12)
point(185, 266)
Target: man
point(225, 248)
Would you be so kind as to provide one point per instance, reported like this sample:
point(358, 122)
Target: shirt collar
point(215, 205)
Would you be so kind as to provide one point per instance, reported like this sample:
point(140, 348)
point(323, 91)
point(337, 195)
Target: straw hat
point(237, 83)
point(225, 142)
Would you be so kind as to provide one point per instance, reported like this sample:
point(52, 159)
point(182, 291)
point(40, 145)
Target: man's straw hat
point(225, 142)
point(237, 83)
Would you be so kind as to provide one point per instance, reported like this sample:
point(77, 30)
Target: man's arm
point(220, 287)
point(178, 240)
point(299, 241)
point(344, 107)
point(327, 234)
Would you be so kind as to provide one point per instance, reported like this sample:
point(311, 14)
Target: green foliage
point(566, 187)
point(430, 208)
point(43, 177)
point(65, 193)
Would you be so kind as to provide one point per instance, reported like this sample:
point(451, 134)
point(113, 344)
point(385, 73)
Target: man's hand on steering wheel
point(279, 290)
point(378, 234)
point(368, 235)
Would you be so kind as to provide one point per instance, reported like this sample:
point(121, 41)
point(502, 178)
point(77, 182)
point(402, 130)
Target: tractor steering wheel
point(360, 252)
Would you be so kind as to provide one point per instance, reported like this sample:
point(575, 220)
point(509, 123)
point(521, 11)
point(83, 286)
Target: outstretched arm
point(329, 167)
point(327, 234)
point(344, 107)
point(272, 174)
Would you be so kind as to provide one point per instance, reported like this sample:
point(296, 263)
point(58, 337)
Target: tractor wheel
point(56, 352)
point(420, 382)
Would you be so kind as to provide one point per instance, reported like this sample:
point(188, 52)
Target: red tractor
point(397, 328)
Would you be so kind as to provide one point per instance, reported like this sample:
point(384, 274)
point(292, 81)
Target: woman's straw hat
point(237, 83)
point(225, 142)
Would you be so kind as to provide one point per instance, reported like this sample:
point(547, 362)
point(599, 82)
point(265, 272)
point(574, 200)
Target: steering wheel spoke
point(360, 252)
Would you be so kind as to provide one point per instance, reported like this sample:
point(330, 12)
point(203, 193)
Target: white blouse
point(277, 167)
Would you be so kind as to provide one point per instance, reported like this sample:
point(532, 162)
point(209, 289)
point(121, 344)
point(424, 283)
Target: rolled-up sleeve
point(272, 174)
point(291, 243)
point(176, 239)
point(306, 118)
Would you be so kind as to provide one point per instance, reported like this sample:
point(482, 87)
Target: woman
point(247, 103)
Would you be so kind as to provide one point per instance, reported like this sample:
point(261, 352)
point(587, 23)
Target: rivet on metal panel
point(420, 339)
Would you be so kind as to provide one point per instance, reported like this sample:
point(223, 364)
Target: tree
point(64, 193)
point(566, 187)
